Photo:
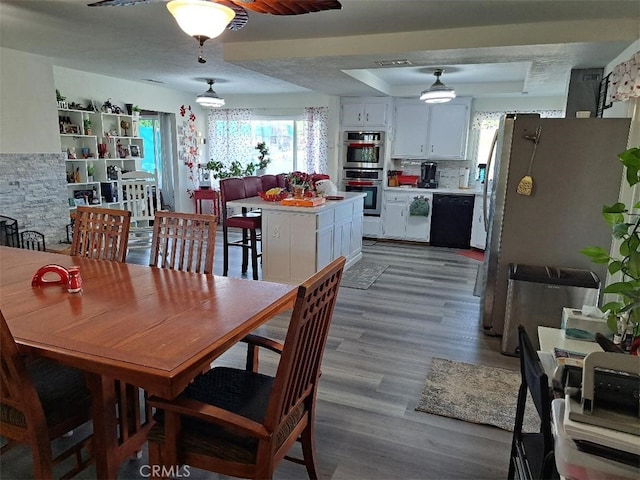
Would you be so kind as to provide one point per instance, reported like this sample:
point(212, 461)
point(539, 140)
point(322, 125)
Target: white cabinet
point(364, 112)
point(397, 221)
point(410, 132)
point(478, 229)
point(96, 144)
point(448, 130)
point(435, 132)
point(297, 242)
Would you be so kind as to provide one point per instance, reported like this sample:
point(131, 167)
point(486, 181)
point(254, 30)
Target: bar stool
point(250, 223)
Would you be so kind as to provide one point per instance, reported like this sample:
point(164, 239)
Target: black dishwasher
point(451, 220)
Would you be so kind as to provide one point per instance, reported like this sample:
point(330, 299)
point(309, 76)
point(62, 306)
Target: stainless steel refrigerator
point(575, 171)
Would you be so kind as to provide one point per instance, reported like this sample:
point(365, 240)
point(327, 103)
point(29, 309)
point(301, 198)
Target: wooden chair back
point(299, 367)
point(183, 241)
point(23, 414)
point(17, 390)
point(101, 233)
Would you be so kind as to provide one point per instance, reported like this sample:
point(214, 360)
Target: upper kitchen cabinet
point(410, 132)
point(435, 132)
point(366, 112)
point(448, 128)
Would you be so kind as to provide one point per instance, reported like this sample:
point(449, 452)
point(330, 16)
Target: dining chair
point(532, 454)
point(249, 222)
point(183, 241)
point(41, 400)
point(32, 240)
point(268, 181)
point(9, 232)
point(242, 423)
point(101, 233)
point(139, 193)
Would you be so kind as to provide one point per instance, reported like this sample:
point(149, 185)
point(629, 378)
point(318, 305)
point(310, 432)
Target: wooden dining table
point(132, 327)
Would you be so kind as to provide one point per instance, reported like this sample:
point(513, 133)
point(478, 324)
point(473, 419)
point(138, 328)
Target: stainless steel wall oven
point(368, 181)
point(363, 149)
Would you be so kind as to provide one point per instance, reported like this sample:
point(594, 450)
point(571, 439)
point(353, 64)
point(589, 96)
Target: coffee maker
point(428, 175)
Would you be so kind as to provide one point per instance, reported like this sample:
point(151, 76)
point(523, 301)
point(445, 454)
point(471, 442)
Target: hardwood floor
point(379, 350)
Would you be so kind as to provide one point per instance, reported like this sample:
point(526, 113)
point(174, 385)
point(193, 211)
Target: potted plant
point(90, 172)
point(624, 312)
point(220, 171)
point(62, 101)
point(136, 111)
point(87, 127)
point(263, 159)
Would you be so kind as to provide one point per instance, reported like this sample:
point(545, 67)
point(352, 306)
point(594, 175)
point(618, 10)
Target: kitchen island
point(299, 241)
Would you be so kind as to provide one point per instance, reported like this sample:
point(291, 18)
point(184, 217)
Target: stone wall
point(33, 191)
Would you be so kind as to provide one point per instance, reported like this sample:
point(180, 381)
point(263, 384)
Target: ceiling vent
point(394, 63)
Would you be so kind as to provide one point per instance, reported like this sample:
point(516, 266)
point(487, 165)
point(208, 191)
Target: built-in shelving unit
point(96, 145)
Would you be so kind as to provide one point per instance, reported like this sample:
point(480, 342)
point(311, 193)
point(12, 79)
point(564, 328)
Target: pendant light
point(201, 19)
point(438, 92)
point(210, 98)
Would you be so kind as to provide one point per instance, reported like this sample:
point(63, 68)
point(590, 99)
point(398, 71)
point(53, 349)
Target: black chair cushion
point(239, 391)
point(62, 391)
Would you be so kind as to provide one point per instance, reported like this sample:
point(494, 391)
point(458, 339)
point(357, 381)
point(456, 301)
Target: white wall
point(28, 117)
point(518, 103)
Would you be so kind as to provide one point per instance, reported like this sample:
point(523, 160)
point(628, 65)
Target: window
point(282, 139)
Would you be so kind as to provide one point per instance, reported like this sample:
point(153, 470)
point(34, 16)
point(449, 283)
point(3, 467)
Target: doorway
point(159, 139)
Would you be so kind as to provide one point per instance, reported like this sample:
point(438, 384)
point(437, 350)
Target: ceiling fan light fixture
point(201, 19)
point(438, 92)
point(210, 98)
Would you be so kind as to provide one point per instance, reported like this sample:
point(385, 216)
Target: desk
point(151, 328)
point(207, 194)
point(551, 338)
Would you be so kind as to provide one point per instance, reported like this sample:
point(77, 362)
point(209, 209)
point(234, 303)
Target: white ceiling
point(487, 47)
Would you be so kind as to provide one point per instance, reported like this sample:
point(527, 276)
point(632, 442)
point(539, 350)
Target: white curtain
point(315, 138)
point(229, 135)
point(167, 167)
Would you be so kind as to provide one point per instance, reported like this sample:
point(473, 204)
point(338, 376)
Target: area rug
point(362, 275)
point(474, 393)
point(474, 254)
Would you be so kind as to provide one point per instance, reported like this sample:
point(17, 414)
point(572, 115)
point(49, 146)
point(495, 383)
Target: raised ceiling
point(487, 48)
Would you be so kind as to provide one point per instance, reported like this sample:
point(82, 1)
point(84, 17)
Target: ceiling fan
point(272, 7)
point(229, 14)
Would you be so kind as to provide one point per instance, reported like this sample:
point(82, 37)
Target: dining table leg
point(119, 429)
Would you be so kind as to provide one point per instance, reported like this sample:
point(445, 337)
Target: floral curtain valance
point(625, 80)
point(492, 119)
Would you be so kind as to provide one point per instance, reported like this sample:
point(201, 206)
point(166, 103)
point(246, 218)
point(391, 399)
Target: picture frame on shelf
point(72, 129)
point(135, 150)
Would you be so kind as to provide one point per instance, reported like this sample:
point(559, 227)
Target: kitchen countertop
point(457, 191)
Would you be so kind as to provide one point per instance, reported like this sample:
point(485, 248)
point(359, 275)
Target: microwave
point(363, 149)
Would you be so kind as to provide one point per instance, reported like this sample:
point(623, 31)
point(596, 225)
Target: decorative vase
point(298, 192)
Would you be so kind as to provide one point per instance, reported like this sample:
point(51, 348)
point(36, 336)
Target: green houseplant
point(625, 228)
point(263, 159)
point(220, 171)
point(87, 127)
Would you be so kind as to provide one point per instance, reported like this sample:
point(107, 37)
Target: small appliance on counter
point(428, 178)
